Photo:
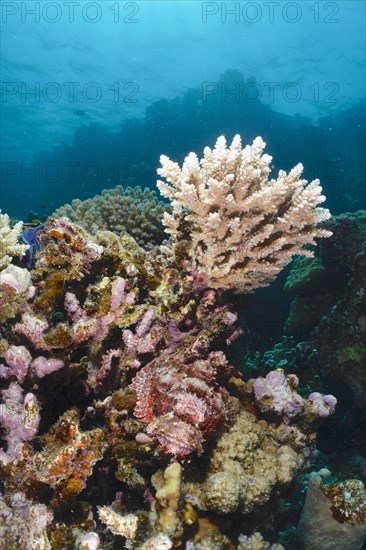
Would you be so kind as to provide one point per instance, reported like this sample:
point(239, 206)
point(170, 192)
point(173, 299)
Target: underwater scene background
point(183, 363)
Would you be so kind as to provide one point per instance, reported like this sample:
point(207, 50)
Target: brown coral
point(348, 500)
point(68, 457)
point(132, 210)
point(247, 463)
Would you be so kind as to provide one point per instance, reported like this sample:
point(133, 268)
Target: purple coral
point(141, 342)
point(274, 393)
point(277, 393)
point(323, 405)
point(18, 359)
point(33, 328)
point(19, 417)
point(73, 309)
point(42, 366)
point(97, 327)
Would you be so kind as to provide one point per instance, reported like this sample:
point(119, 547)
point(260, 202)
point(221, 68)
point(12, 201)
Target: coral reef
point(318, 283)
point(348, 500)
point(19, 418)
point(129, 526)
point(15, 290)
point(132, 210)
point(290, 356)
point(121, 416)
point(234, 239)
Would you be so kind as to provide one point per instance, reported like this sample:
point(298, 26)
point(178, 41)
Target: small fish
point(80, 113)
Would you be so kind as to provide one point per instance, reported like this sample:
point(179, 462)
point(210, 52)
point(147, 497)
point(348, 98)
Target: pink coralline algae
point(18, 359)
point(20, 364)
point(323, 405)
point(106, 365)
point(276, 394)
point(33, 327)
point(97, 326)
point(23, 523)
point(73, 308)
point(142, 341)
point(42, 366)
point(19, 418)
point(273, 393)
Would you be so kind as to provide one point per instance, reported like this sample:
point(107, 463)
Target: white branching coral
point(244, 227)
point(9, 245)
point(256, 542)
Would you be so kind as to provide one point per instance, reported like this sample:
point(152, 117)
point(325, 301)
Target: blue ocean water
point(94, 92)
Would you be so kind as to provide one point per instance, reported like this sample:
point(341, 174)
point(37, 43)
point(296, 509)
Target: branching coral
point(130, 210)
point(256, 542)
point(243, 227)
point(9, 245)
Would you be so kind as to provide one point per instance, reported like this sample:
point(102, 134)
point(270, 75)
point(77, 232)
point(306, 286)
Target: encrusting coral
point(23, 524)
point(132, 210)
point(348, 500)
point(243, 227)
point(115, 354)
